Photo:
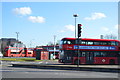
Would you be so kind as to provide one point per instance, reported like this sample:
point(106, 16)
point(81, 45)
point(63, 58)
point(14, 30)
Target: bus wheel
point(76, 62)
point(112, 61)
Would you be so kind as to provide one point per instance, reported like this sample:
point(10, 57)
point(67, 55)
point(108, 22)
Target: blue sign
point(95, 47)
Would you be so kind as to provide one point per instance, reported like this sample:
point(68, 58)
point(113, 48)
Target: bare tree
point(110, 36)
point(50, 44)
point(58, 42)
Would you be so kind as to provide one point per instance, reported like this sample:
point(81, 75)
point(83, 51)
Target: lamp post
point(75, 15)
point(76, 41)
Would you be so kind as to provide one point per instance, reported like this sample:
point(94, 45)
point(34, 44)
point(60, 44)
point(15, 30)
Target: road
point(19, 72)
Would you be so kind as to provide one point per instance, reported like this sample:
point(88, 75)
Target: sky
point(38, 22)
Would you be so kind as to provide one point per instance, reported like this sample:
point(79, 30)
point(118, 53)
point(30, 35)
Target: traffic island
point(97, 68)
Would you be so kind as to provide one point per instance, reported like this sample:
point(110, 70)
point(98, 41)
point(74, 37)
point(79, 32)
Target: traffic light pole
point(79, 42)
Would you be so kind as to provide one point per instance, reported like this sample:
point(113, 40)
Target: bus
point(18, 52)
point(29, 52)
point(89, 51)
point(14, 52)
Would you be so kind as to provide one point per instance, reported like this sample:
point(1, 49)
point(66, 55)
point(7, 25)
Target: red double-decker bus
point(89, 51)
point(29, 52)
point(14, 52)
point(18, 52)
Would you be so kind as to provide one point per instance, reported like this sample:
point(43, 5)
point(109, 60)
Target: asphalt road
point(17, 72)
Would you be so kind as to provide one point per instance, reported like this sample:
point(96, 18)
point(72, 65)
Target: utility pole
point(54, 46)
point(17, 42)
point(17, 35)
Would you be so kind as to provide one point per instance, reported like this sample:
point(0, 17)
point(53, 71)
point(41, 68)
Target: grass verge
point(19, 59)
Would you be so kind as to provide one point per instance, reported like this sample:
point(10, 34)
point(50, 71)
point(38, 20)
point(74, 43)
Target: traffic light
point(79, 30)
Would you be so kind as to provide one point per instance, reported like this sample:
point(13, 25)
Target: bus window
point(69, 42)
point(103, 43)
point(116, 43)
point(83, 42)
point(103, 54)
point(29, 52)
point(64, 42)
point(111, 54)
point(23, 52)
point(90, 43)
point(75, 53)
point(96, 54)
point(96, 43)
point(13, 52)
point(72, 41)
point(113, 43)
point(83, 54)
point(109, 43)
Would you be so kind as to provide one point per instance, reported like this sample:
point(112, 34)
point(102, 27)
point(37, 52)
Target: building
point(5, 42)
point(53, 51)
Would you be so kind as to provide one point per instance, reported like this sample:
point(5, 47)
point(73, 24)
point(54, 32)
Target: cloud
point(70, 27)
point(36, 19)
point(113, 30)
point(105, 29)
point(95, 16)
point(67, 28)
point(116, 26)
point(22, 11)
point(62, 31)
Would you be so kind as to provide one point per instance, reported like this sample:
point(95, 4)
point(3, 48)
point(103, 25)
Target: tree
point(58, 42)
point(50, 44)
point(110, 36)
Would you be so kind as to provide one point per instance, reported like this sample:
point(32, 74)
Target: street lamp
point(75, 15)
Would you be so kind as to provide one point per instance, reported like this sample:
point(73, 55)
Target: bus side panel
point(105, 60)
point(7, 53)
point(82, 60)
